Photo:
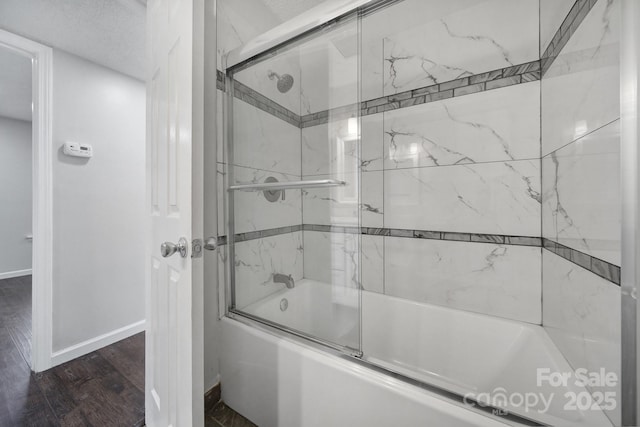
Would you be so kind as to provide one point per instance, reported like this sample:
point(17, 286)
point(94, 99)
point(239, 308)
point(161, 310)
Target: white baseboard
point(17, 273)
point(96, 343)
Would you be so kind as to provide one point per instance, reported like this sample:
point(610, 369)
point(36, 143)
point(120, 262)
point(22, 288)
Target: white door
point(170, 366)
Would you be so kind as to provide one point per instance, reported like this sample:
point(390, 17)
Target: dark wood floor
point(103, 388)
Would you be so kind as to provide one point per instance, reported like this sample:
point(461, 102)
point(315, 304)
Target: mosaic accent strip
point(608, 271)
point(252, 97)
point(576, 15)
point(495, 79)
point(391, 232)
point(260, 234)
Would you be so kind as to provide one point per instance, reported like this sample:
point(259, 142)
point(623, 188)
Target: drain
point(284, 304)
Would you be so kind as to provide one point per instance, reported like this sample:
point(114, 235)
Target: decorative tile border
point(508, 76)
point(260, 234)
point(252, 97)
point(391, 232)
point(606, 270)
point(576, 15)
point(517, 74)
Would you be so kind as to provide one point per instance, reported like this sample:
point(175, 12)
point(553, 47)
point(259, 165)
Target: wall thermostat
point(78, 150)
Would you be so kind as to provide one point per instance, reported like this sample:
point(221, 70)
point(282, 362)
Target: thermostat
point(78, 150)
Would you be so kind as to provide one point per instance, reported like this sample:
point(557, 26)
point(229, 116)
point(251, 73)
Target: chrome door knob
point(167, 248)
point(211, 244)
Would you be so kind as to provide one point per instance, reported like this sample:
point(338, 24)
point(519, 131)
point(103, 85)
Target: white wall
point(15, 196)
point(99, 209)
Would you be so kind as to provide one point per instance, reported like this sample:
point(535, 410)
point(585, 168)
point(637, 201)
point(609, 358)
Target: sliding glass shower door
point(293, 186)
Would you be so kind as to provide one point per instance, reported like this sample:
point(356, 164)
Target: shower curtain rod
point(306, 21)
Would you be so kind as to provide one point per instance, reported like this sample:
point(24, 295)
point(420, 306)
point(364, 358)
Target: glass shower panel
point(294, 187)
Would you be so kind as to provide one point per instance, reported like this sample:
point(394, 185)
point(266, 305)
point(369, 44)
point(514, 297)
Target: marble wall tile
point(330, 69)
point(581, 194)
point(256, 261)
point(372, 199)
point(254, 212)
point(341, 205)
point(372, 66)
point(489, 198)
point(332, 258)
point(390, 21)
point(372, 142)
point(498, 280)
point(488, 126)
point(580, 91)
point(581, 313)
point(487, 36)
point(262, 141)
point(333, 205)
point(331, 148)
point(552, 14)
point(257, 78)
point(372, 263)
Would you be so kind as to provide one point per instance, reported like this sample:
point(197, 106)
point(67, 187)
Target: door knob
point(167, 248)
point(211, 244)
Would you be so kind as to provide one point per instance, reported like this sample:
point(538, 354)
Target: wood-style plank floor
point(103, 388)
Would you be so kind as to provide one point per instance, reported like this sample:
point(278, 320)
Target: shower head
point(285, 81)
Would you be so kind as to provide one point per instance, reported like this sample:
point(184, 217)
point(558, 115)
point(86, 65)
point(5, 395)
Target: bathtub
point(279, 380)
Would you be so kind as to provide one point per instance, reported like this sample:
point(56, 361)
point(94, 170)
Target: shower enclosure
point(432, 189)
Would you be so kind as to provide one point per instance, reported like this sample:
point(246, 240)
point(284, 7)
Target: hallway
point(105, 387)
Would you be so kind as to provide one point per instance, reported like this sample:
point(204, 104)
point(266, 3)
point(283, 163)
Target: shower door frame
point(630, 198)
point(273, 328)
point(228, 136)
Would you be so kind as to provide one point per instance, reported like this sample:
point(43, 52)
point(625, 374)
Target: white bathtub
point(317, 309)
point(278, 381)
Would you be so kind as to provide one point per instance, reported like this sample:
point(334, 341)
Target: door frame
point(42, 194)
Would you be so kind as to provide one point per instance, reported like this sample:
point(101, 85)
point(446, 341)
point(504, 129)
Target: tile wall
point(450, 158)
point(486, 176)
point(581, 183)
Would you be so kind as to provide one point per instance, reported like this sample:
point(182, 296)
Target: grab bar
point(319, 183)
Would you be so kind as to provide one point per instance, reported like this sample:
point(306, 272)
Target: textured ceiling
point(108, 32)
point(15, 85)
point(287, 9)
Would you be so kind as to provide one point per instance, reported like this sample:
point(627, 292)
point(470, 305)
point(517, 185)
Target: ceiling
point(15, 85)
point(108, 32)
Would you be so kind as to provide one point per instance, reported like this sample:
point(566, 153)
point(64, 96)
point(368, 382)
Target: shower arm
point(320, 183)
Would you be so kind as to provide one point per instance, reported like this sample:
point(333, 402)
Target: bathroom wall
point(449, 197)
point(99, 213)
point(15, 193)
point(581, 183)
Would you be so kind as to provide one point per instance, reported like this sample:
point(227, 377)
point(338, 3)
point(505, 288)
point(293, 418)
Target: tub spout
point(283, 278)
